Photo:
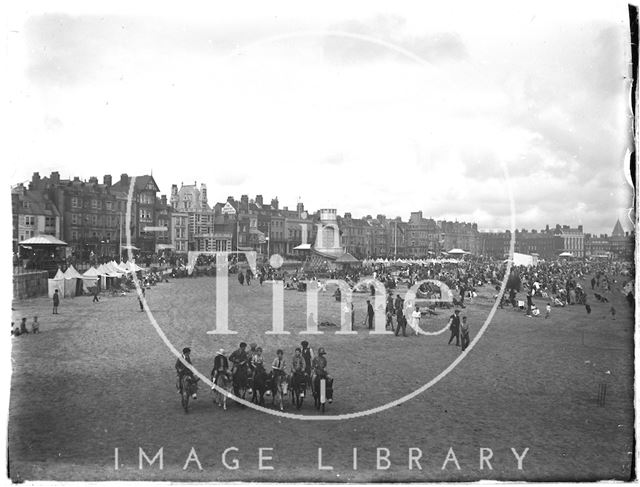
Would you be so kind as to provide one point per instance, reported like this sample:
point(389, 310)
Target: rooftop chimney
point(55, 177)
point(35, 180)
point(93, 180)
point(107, 180)
point(259, 200)
point(124, 179)
point(274, 203)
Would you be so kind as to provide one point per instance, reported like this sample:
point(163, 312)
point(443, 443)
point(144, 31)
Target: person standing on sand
point(370, 314)
point(464, 333)
point(35, 326)
point(454, 327)
point(56, 302)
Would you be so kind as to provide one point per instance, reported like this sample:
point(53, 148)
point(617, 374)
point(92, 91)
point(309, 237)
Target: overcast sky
point(376, 107)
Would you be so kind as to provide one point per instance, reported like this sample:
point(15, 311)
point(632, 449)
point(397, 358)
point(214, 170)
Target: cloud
point(334, 159)
point(433, 47)
point(227, 177)
point(53, 123)
point(550, 104)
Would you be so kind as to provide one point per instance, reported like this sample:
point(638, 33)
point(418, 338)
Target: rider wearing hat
point(182, 369)
point(252, 351)
point(250, 355)
point(298, 376)
point(257, 359)
point(319, 366)
point(319, 363)
point(220, 364)
point(298, 362)
point(307, 354)
point(239, 358)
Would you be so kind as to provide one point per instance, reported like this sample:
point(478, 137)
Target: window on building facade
point(75, 203)
point(108, 205)
point(94, 204)
point(94, 219)
point(29, 220)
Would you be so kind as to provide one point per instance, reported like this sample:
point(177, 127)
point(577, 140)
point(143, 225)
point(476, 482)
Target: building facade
point(570, 240)
point(33, 214)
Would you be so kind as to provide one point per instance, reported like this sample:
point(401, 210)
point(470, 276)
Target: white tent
point(72, 273)
point(119, 267)
point(566, 254)
point(56, 283)
point(523, 259)
point(458, 252)
point(71, 279)
point(90, 279)
point(102, 272)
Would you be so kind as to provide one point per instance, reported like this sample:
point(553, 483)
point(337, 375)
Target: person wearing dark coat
point(400, 322)
point(370, 314)
point(23, 327)
point(56, 302)
point(454, 326)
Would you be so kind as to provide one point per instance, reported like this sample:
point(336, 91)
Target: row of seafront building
point(91, 217)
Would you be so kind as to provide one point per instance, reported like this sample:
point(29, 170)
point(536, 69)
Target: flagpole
point(120, 243)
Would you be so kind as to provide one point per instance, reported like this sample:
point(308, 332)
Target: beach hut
point(90, 279)
point(72, 282)
point(57, 282)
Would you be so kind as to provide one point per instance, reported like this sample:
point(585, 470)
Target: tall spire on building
point(618, 231)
